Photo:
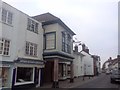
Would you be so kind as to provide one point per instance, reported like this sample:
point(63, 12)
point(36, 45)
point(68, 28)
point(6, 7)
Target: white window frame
point(32, 25)
point(33, 46)
point(29, 82)
point(53, 40)
point(2, 40)
point(8, 19)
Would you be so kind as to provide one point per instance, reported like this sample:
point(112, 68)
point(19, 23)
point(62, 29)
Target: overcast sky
point(95, 22)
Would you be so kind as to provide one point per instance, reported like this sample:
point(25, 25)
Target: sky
point(95, 22)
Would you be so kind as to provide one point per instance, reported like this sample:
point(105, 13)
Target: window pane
point(27, 48)
point(5, 74)
point(24, 74)
point(32, 26)
point(1, 46)
point(29, 23)
point(50, 44)
point(31, 49)
point(6, 47)
point(35, 50)
point(4, 15)
point(10, 15)
point(50, 41)
point(36, 27)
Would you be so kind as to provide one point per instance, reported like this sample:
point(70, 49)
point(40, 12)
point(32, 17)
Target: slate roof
point(48, 18)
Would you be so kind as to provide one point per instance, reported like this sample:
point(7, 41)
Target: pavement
point(66, 83)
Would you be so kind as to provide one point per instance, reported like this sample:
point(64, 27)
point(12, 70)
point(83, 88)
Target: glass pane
point(50, 41)
point(24, 74)
point(9, 18)
point(5, 76)
point(4, 15)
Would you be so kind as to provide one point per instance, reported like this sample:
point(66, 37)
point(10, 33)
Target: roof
point(45, 17)
point(48, 18)
point(78, 53)
point(83, 52)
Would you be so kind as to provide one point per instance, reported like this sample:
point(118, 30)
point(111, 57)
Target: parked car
point(115, 76)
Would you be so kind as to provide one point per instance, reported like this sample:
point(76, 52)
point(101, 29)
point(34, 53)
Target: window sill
point(22, 83)
point(31, 56)
point(50, 49)
point(32, 31)
point(5, 55)
point(7, 24)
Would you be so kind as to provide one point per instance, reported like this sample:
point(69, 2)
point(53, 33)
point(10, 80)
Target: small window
point(31, 49)
point(32, 26)
point(7, 16)
point(50, 40)
point(4, 47)
point(4, 72)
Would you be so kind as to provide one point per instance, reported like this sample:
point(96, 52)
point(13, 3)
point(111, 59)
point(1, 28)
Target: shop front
point(27, 73)
point(5, 75)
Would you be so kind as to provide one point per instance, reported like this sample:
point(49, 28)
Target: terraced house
point(58, 49)
point(21, 48)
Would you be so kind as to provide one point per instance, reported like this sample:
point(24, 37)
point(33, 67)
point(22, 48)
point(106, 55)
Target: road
point(102, 81)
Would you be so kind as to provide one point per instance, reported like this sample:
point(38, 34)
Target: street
point(103, 81)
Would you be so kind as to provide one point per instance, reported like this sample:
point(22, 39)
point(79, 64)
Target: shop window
point(4, 76)
point(24, 74)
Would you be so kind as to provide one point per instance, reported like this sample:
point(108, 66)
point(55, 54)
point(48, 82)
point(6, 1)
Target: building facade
point(21, 47)
point(58, 53)
point(78, 63)
point(88, 61)
point(97, 64)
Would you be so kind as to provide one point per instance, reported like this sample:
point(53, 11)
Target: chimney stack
point(87, 50)
point(76, 48)
point(83, 47)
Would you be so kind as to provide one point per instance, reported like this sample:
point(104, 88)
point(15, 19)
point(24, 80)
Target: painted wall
point(18, 34)
point(88, 64)
point(78, 65)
